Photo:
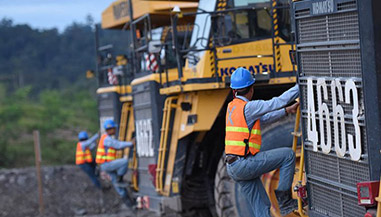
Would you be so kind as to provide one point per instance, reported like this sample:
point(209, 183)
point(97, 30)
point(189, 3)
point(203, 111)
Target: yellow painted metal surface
point(125, 98)
point(172, 76)
point(191, 87)
point(118, 89)
point(296, 134)
point(90, 74)
point(283, 80)
point(133, 164)
point(165, 129)
point(175, 187)
point(255, 56)
point(172, 149)
point(218, 85)
point(205, 105)
point(259, 64)
point(117, 14)
point(127, 127)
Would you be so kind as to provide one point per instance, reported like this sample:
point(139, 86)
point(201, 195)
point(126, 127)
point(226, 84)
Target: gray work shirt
point(89, 143)
point(268, 110)
point(116, 144)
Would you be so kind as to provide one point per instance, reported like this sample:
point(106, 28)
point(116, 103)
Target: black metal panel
point(335, 40)
point(109, 107)
point(148, 107)
point(370, 22)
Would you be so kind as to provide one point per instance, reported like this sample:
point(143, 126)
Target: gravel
point(67, 191)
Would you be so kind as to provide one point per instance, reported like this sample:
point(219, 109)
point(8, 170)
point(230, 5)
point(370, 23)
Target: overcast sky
point(44, 14)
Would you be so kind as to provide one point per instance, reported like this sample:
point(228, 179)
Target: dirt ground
point(67, 191)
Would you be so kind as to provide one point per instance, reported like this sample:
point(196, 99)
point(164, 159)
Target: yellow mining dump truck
point(114, 70)
point(114, 75)
point(150, 23)
point(181, 89)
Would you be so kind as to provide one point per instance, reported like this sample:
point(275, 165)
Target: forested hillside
point(43, 86)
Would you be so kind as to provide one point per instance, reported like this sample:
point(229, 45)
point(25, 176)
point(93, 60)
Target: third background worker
point(83, 156)
point(245, 162)
point(106, 157)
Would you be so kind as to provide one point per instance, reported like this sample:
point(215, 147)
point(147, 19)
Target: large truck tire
point(228, 199)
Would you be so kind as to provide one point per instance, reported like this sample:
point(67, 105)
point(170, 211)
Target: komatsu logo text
point(254, 69)
point(322, 7)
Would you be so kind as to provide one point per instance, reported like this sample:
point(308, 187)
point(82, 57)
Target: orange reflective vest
point(82, 157)
point(238, 138)
point(102, 155)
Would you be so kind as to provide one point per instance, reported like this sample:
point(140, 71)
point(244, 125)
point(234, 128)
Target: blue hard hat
point(83, 135)
point(241, 78)
point(108, 124)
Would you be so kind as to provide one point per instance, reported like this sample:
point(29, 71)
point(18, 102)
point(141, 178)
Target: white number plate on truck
point(332, 122)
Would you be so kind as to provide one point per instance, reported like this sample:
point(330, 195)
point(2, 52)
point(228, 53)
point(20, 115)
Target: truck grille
point(338, 63)
point(329, 202)
point(341, 26)
point(108, 108)
point(328, 46)
point(106, 103)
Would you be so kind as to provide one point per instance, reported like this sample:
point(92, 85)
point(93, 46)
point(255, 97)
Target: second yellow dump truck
point(180, 105)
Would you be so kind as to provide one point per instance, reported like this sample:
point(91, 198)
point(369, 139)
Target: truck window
point(238, 3)
point(242, 26)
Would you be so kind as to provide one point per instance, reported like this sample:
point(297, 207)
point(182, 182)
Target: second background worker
point(106, 157)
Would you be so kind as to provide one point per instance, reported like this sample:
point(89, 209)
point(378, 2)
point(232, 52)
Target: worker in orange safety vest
point(106, 158)
point(245, 161)
point(83, 156)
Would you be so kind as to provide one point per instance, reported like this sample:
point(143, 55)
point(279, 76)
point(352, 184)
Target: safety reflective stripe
point(106, 157)
point(103, 156)
point(82, 157)
point(255, 132)
point(101, 150)
point(237, 129)
point(243, 130)
point(239, 143)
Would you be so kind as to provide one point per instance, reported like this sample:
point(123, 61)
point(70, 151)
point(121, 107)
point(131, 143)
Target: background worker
point(245, 162)
point(83, 156)
point(106, 157)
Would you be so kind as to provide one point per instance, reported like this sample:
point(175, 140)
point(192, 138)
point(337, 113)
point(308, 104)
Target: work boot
point(285, 202)
point(119, 178)
point(128, 200)
point(130, 203)
point(120, 182)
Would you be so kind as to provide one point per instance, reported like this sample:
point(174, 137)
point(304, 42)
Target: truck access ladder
point(170, 103)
